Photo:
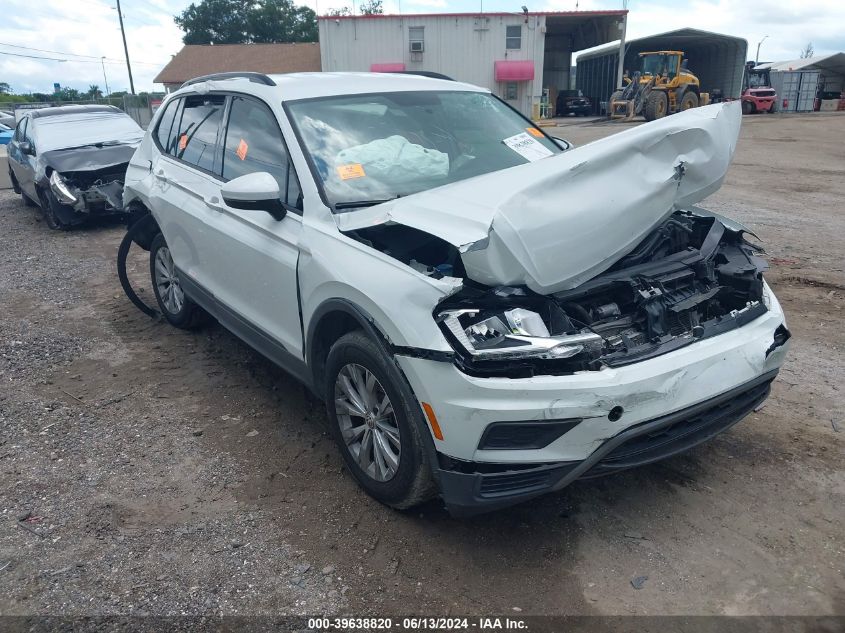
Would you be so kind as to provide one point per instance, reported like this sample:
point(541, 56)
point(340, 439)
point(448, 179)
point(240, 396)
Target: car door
point(23, 165)
point(257, 255)
point(245, 260)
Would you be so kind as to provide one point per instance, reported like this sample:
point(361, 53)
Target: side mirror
point(26, 148)
point(254, 192)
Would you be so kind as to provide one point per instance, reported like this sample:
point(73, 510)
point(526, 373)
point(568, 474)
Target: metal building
point(717, 60)
point(800, 82)
point(518, 56)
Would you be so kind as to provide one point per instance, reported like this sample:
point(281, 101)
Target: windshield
point(660, 65)
point(758, 80)
point(75, 130)
point(374, 147)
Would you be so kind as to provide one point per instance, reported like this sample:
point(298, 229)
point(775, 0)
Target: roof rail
point(258, 78)
point(424, 73)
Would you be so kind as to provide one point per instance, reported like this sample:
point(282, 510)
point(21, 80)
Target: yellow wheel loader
point(662, 85)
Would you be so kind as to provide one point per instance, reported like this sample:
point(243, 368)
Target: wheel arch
point(332, 319)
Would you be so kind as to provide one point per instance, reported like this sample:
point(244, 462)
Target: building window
point(511, 88)
point(416, 39)
point(513, 37)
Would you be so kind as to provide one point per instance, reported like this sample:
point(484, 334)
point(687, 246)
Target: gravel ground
point(145, 470)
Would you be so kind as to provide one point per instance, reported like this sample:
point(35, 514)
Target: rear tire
point(174, 304)
point(689, 100)
point(656, 105)
point(369, 405)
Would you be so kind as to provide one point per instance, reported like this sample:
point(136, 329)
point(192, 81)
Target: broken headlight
point(512, 334)
point(60, 189)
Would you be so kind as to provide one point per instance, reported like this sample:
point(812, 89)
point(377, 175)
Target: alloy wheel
point(367, 422)
point(167, 281)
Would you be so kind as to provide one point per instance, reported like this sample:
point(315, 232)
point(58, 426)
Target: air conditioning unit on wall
point(417, 47)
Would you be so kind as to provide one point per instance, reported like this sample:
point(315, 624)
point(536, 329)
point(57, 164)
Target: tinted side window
point(29, 133)
point(197, 139)
point(254, 143)
point(165, 124)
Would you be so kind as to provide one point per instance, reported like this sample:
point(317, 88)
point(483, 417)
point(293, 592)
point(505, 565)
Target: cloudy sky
point(75, 34)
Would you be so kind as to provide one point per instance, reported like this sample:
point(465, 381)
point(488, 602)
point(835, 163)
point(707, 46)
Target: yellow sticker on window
point(353, 170)
point(243, 148)
point(533, 131)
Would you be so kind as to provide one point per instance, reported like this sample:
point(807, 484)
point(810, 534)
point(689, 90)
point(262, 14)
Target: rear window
point(165, 131)
point(198, 130)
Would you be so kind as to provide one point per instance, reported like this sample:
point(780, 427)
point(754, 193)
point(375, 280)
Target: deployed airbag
point(395, 159)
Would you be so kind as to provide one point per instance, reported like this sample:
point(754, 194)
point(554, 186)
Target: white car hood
point(558, 222)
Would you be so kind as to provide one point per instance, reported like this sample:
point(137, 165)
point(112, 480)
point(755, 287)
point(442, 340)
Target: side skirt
point(257, 339)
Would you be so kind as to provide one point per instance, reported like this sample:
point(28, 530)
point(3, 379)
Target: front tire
point(174, 304)
point(50, 209)
point(376, 421)
point(747, 107)
point(656, 105)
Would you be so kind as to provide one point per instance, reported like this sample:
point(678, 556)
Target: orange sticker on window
point(353, 170)
point(183, 141)
point(243, 148)
point(533, 131)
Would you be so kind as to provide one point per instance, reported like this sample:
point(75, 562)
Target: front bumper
point(468, 493)
point(646, 393)
point(576, 109)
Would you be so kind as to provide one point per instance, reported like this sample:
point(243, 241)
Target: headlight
point(60, 189)
point(513, 334)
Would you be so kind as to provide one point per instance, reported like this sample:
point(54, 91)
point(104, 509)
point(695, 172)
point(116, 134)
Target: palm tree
point(94, 92)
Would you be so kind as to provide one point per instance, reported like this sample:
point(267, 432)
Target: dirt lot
point(165, 472)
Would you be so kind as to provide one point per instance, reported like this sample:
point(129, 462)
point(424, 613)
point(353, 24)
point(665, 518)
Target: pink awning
point(507, 70)
point(389, 67)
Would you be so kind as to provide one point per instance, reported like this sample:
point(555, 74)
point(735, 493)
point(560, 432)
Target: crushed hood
point(558, 222)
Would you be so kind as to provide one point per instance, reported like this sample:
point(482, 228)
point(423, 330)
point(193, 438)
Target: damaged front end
point(90, 192)
point(87, 181)
point(691, 278)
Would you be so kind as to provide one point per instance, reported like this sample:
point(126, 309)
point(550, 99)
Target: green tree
point(342, 12)
point(372, 7)
point(5, 88)
point(94, 92)
point(247, 21)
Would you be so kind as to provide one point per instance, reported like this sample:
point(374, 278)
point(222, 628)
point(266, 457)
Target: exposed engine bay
point(93, 192)
point(689, 279)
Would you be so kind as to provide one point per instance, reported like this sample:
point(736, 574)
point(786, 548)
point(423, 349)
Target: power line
point(95, 57)
point(70, 61)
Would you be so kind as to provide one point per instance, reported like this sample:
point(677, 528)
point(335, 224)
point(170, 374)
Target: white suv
point(488, 314)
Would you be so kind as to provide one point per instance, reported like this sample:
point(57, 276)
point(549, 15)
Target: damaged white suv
point(488, 314)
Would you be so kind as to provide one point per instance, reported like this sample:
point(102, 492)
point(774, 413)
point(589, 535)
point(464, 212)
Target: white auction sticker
point(527, 147)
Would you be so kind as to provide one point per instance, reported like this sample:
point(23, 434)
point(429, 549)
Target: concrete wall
point(462, 47)
point(5, 183)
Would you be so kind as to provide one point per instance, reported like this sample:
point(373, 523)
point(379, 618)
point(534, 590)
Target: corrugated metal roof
point(379, 16)
point(833, 63)
point(680, 35)
point(195, 60)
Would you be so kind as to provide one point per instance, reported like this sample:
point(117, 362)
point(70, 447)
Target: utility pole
point(620, 68)
point(103, 62)
point(125, 49)
point(757, 59)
